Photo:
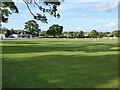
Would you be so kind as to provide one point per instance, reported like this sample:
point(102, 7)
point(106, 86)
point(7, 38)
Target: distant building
point(21, 36)
point(109, 35)
point(86, 34)
point(2, 36)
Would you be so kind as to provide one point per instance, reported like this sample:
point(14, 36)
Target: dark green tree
point(93, 33)
point(8, 33)
point(3, 30)
point(116, 33)
point(76, 34)
point(32, 27)
point(81, 34)
point(55, 30)
point(7, 8)
point(12, 31)
point(65, 34)
point(71, 33)
point(101, 34)
point(43, 33)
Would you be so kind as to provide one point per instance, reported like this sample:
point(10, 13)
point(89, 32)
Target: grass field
point(60, 63)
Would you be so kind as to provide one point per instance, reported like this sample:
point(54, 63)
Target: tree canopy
point(116, 33)
point(65, 34)
point(32, 27)
point(55, 30)
point(9, 7)
point(93, 33)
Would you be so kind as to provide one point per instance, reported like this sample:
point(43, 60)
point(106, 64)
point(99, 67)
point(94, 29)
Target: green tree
point(19, 31)
point(55, 30)
point(43, 33)
point(101, 34)
point(104, 34)
point(71, 33)
point(12, 31)
point(3, 30)
point(76, 34)
point(93, 33)
point(9, 7)
point(116, 33)
point(32, 27)
point(81, 34)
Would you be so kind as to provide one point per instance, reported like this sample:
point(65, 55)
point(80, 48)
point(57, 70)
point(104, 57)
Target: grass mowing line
point(111, 84)
point(64, 53)
point(51, 63)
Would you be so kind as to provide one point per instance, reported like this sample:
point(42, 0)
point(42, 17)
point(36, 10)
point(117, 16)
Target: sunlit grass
point(61, 63)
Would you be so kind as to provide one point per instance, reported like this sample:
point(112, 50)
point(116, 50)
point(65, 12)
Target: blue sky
point(75, 16)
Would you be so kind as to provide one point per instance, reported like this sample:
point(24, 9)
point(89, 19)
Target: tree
point(66, 34)
point(12, 31)
point(55, 30)
point(8, 33)
point(116, 33)
point(43, 33)
point(93, 33)
point(32, 27)
point(76, 34)
point(3, 30)
point(71, 33)
point(19, 31)
point(9, 7)
point(101, 34)
point(81, 34)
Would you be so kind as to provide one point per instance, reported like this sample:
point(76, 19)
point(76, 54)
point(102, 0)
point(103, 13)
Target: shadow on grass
point(49, 48)
point(59, 71)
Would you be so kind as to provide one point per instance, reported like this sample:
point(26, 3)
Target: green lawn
point(60, 63)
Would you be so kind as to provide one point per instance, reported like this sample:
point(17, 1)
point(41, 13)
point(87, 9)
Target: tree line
point(31, 27)
point(81, 34)
point(56, 31)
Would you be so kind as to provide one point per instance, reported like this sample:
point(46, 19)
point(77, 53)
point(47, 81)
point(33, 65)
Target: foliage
point(76, 34)
point(52, 4)
point(81, 33)
point(7, 9)
point(55, 30)
point(32, 27)
point(103, 34)
point(43, 33)
point(8, 33)
point(93, 33)
point(116, 33)
point(71, 33)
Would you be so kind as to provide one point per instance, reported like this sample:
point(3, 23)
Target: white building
point(21, 36)
point(86, 34)
point(2, 36)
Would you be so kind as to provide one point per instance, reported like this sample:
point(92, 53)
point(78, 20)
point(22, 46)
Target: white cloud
point(111, 25)
point(104, 7)
point(83, 15)
point(91, 0)
point(107, 27)
point(68, 6)
point(72, 28)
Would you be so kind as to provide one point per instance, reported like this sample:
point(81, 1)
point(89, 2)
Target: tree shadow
point(59, 71)
point(99, 47)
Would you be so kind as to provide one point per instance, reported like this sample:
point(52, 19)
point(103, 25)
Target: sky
point(75, 16)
